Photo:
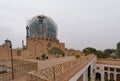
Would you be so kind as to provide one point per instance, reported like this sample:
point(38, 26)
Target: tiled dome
point(42, 26)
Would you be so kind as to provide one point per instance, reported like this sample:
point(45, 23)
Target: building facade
point(41, 36)
point(108, 69)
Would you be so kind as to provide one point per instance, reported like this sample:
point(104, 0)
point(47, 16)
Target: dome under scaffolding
point(42, 26)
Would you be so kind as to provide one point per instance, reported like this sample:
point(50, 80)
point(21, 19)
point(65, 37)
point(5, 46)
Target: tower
point(27, 31)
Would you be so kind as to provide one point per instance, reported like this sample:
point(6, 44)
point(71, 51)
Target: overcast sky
point(81, 23)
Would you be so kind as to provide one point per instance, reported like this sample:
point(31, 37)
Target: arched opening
point(112, 76)
point(105, 76)
point(38, 50)
point(89, 73)
point(98, 77)
point(118, 77)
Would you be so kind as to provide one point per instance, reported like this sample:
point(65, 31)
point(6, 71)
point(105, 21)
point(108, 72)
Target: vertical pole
point(53, 73)
point(11, 60)
point(41, 21)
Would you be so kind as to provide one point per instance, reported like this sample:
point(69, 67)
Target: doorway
point(98, 77)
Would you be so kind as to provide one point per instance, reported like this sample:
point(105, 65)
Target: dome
point(42, 26)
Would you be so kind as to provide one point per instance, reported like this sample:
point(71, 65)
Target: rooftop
point(109, 61)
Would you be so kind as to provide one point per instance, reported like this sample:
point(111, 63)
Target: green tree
point(101, 54)
point(56, 50)
point(89, 50)
point(43, 56)
point(109, 51)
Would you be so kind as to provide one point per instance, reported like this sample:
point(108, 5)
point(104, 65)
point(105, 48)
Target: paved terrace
point(109, 61)
point(60, 71)
point(43, 64)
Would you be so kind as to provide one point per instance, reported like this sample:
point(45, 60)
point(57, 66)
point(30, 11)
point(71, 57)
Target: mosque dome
point(42, 26)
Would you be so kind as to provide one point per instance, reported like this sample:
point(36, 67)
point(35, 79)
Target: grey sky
point(81, 23)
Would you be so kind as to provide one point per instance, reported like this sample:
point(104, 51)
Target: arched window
point(98, 77)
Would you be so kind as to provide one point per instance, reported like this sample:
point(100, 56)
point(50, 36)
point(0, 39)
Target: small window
point(111, 69)
point(105, 68)
point(118, 70)
point(98, 68)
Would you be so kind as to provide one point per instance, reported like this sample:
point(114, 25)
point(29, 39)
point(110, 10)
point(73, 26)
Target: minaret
point(27, 36)
point(27, 31)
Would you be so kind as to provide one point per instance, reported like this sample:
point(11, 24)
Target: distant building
point(41, 36)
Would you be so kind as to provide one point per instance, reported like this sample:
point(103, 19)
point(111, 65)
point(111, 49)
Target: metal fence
point(20, 68)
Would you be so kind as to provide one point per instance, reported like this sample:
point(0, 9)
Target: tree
point(107, 52)
point(100, 54)
point(43, 56)
point(89, 50)
point(56, 50)
point(118, 49)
